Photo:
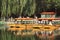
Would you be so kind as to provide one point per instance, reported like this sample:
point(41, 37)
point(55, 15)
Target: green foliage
point(25, 6)
point(30, 7)
point(3, 8)
point(55, 2)
point(17, 6)
point(22, 5)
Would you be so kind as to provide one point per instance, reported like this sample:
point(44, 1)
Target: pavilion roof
point(50, 13)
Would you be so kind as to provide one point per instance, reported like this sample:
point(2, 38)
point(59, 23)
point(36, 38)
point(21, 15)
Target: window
point(47, 16)
point(23, 22)
point(17, 27)
point(36, 27)
point(18, 22)
point(11, 26)
point(46, 28)
point(27, 21)
point(42, 16)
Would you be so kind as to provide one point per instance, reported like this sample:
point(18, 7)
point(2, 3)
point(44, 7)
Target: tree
point(3, 8)
point(27, 7)
point(30, 7)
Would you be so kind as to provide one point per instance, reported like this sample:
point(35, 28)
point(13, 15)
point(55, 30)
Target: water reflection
point(5, 35)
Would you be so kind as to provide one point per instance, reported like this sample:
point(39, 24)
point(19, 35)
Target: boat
point(31, 26)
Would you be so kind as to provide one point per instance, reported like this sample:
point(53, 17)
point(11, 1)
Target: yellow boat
point(21, 24)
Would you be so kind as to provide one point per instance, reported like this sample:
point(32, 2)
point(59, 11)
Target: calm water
point(4, 35)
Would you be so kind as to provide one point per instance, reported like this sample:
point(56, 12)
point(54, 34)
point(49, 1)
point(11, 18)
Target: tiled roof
point(52, 13)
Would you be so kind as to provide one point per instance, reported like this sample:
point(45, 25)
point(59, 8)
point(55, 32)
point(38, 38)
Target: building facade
point(47, 15)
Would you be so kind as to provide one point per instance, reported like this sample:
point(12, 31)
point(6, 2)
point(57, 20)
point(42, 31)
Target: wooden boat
point(30, 24)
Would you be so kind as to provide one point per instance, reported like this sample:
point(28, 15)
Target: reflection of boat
point(47, 32)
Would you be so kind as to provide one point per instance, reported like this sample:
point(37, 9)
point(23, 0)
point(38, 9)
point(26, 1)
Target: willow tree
point(57, 3)
point(8, 11)
point(30, 7)
point(14, 6)
point(52, 4)
point(17, 6)
point(22, 5)
point(5, 9)
point(26, 7)
point(9, 7)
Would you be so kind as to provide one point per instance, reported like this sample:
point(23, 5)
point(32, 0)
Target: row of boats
point(28, 26)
